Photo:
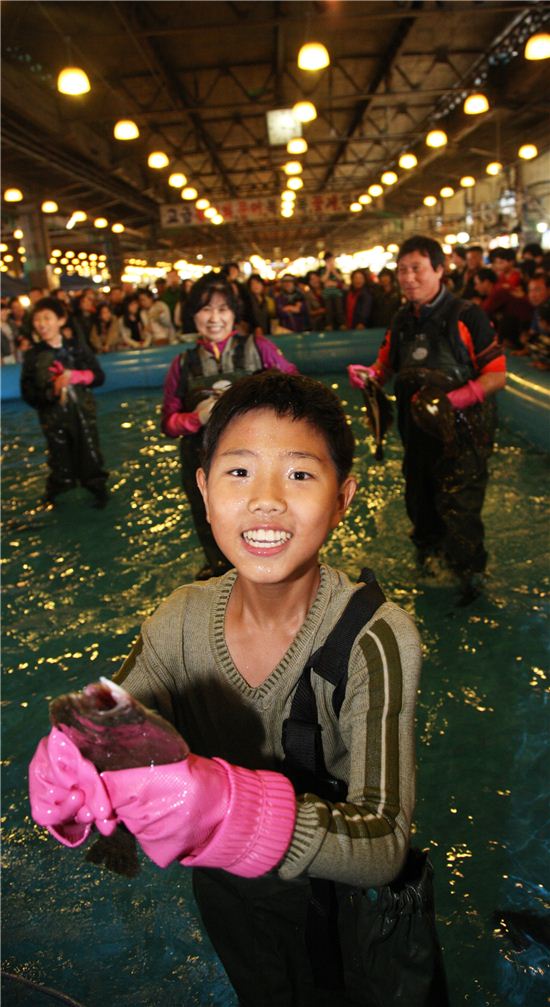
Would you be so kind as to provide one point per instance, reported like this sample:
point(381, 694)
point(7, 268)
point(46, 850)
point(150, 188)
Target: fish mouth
point(266, 538)
point(104, 697)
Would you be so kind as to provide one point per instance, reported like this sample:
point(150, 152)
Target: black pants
point(444, 492)
point(190, 462)
point(74, 454)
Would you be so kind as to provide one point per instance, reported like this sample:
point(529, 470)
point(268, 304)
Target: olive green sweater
point(181, 666)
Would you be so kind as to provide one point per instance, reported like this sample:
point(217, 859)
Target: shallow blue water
point(76, 585)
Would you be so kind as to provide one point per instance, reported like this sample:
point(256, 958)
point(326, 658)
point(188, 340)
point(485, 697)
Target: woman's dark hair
point(487, 274)
point(49, 304)
point(257, 277)
point(426, 246)
point(291, 395)
point(148, 292)
point(507, 254)
point(204, 290)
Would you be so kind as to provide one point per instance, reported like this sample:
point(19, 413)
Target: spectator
point(503, 261)
point(539, 342)
point(291, 306)
point(9, 335)
point(315, 302)
point(260, 308)
point(105, 334)
point(182, 321)
point(508, 310)
point(533, 252)
point(456, 276)
point(333, 287)
point(387, 299)
point(170, 294)
point(230, 273)
point(116, 301)
point(17, 315)
point(131, 328)
point(474, 262)
point(536, 337)
point(358, 302)
point(83, 316)
point(156, 320)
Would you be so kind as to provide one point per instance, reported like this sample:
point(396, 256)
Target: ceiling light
point(13, 195)
point(49, 206)
point(304, 111)
point(355, 207)
point(118, 228)
point(436, 138)
point(8, 258)
point(289, 195)
point(475, 104)
point(287, 211)
point(69, 254)
point(298, 145)
point(446, 192)
point(189, 192)
point(158, 159)
point(494, 168)
point(538, 46)
point(218, 219)
point(292, 168)
point(210, 212)
point(100, 222)
point(528, 151)
point(393, 248)
point(408, 161)
point(429, 200)
point(177, 180)
point(467, 181)
point(125, 129)
point(18, 233)
point(295, 183)
point(389, 178)
point(463, 236)
point(81, 255)
point(202, 204)
point(375, 190)
point(542, 227)
point(364, 199)
point(73, 80)
point(313, 56)
point(3, 246)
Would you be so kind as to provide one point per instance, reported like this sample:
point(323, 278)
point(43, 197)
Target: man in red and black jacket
point(436, 337)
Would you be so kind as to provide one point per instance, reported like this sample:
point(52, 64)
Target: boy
point(56, 379)
point(222, 660)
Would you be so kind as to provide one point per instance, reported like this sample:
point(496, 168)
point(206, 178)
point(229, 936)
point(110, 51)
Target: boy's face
point(272, 495)
point(48, 326)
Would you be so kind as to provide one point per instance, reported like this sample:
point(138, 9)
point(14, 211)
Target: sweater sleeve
point(272, 356)
point(364, 840)
point(175, 422)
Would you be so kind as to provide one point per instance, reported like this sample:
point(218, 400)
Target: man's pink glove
point(206, 813)
point(67, 793)
point(467, 395)
point(357, 374)
point(84, 377)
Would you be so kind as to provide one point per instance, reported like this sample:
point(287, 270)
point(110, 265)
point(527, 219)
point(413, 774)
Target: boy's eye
point(240, 473)
point(300, 476)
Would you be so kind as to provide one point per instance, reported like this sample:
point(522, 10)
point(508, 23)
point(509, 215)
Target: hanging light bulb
point(528, 151)
point(304, 111)
point(73, 80)
point(118, 228)
point(18, 233)
point(287, 211)
point(202, 204)
point(298, 145)
point(389, 178)
point(288, 195)
point(189, 192)
point(158, 159)
point(393, 248)
point(463, 237)
point(429, 200)
point(49, 206)
point(408, 161)
point(436, 138)
point(475, 104)
point(13, 195)
point(355, 207)
point(217, 219)
point(177, 180)
point(313, 56)
point(494, 168)
point(364, 199)
point(446, 192)
point(295, 183)
point(126, 129)
point(375, 189)
point(538, 46)
point(210, 213)
point(101, 222)
point(467, 181)
point(292, 168)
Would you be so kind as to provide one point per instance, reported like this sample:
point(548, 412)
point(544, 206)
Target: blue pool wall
point(524, 405)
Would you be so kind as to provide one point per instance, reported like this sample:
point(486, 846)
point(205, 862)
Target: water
point(77, 583)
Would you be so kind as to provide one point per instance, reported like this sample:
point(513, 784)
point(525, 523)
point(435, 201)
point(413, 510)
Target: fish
point(432, 411)
point(115, 731)
point(523, 928)
point(379, 414)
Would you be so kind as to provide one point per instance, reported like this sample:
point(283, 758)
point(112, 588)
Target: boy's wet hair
point(49, 304)
point(291, 395)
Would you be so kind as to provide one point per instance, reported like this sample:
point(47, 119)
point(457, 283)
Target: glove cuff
point(467, 395)
point(257, 828)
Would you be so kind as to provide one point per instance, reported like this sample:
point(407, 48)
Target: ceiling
point(198, 79)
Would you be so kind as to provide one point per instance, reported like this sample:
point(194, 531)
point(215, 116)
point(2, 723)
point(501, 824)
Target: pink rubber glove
point(206, 813)
point(357, 374)
point(66, 792)
point(84, 377)
point(179, 424)
point(467, 395)
point(56, 369)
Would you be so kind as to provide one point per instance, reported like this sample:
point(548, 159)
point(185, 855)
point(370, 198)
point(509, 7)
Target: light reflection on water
point(78, 582)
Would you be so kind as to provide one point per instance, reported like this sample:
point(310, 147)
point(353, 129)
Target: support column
point(38, 272)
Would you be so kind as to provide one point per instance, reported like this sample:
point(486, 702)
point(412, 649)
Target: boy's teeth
point(266, 536)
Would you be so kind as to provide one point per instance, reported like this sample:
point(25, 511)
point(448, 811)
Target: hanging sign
point(251, 210)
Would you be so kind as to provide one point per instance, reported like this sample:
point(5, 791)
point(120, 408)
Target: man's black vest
point(432, 341)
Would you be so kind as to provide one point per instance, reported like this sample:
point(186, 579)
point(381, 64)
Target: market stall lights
point(189, 192)
point(430, 200)
point(527, 151)
point(298, 145)
point(375, 190)
point(13, 195)
point(210, 212)
point(538, 46)
point(100, 222)
point(177, 180)
point(117, 228)
point(436, 138)
point(355, 207)
point(408, 161)
point(295, 183)
point(49, 206)
point(217, 219)
point(467, 181)
point(389, 178)
point(494, 168)
point(446, 192)
point(365, 199)
point(18, 233)
point(73, 80)
point(158, 159)
point(313, 56)
point(126, 129)
point(292, 168)
point(304, 111)
point(475, 104)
